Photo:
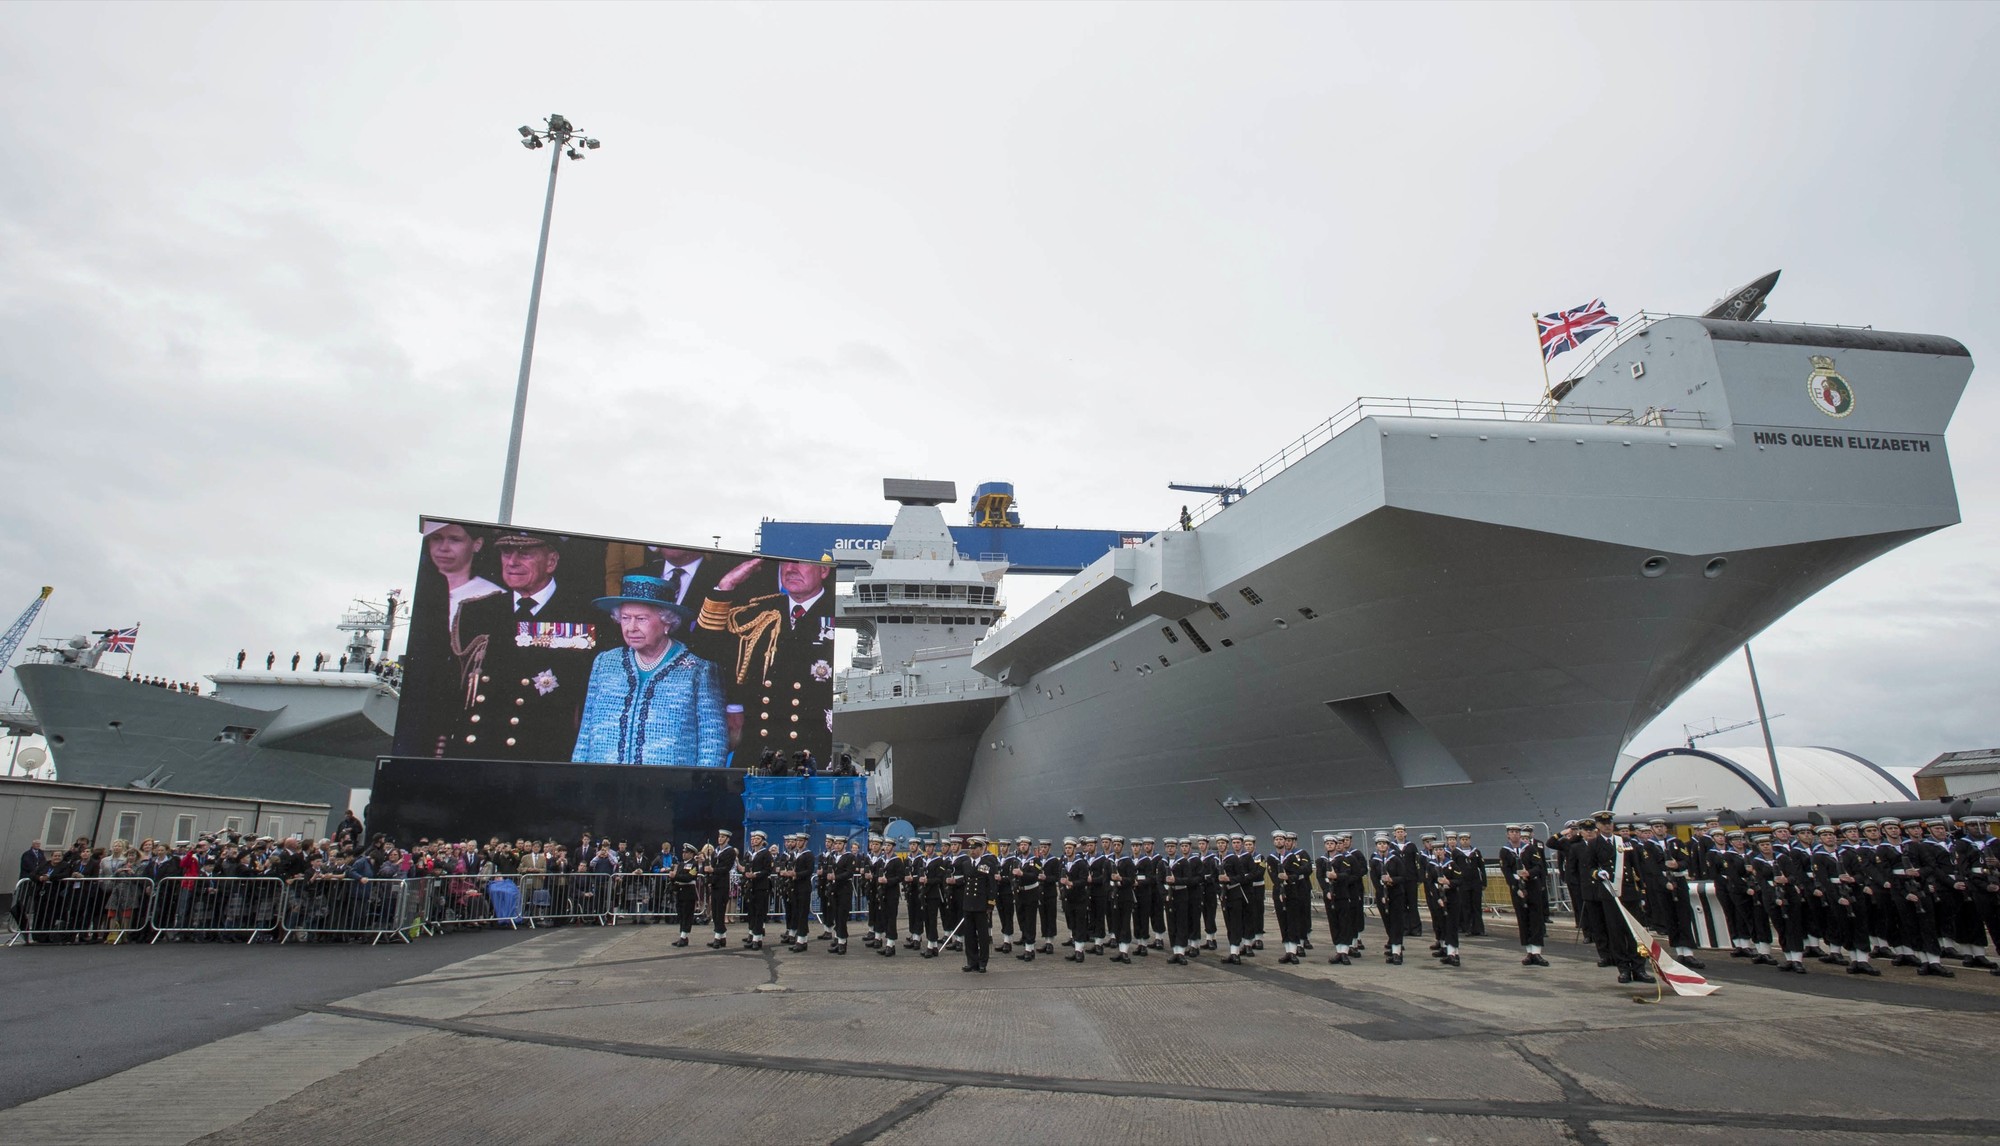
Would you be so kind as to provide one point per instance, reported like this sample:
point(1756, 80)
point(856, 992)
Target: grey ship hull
point(1455, 620)
point(316, 735)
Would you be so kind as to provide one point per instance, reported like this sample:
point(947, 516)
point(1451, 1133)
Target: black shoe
point(1643, 976)
point(1139, 950)
point(1257, 943)
point(1027, 956)
point(1451, 961)
point(798, 948)
point(1121, 958)
point(1863, 969)
point(1763, 960)
point(1624, 976)
point(1395, 960)
point(1288, 957)
point(982, 968)
point(1157, 945)
point(1936, 970)
point(871, 941)
point(1341, 960)
point(826, 935)
point(1178, 960)
point(1232, 959)
point(1208, 946)
point(1981, 961)
point(968, 967)
point(718, 943)
point(681, 942)
point(889, 950)
point(1306, 944)
point(1798, 967)
point(1539, 961)
point(1693, 963)
point(930, 952)
point(1004, 947)
point(1095, 949)
point(1740, 953)
point(1076, 958)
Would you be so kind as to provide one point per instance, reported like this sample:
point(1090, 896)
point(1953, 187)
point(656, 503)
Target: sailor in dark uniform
point(798, 904)
point(1349, 874)
point(977, 892)
point(717, 869)
point(889, 883)
point(935, 871)
point(1238, 867)
point(836, 891)
point(914, 885)
point(1412, 890)
point(528, 655)
point(1026, 876)
point(1210, 865)
point(1004, 892)
point(758, 867)
point(1124, 871)
point(1182, 884)
point(1525, 867)
point(1389, 869)
point(1052, 869)
point(1075, 884)
point(686, 879)
point(1605, 865)
point(1098, 852)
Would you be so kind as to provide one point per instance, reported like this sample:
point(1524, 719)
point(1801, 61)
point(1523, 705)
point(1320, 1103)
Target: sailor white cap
point(1115, 839)
point(1802, 827)
point(1398, 828)
point(1381, 837)
point(1042, 842)
point(1068, 841)
point(758, 835)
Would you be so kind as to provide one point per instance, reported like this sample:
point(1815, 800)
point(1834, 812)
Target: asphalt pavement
point(77, 1013)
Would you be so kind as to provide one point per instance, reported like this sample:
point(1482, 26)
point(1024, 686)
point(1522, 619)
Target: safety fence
point(123, 909)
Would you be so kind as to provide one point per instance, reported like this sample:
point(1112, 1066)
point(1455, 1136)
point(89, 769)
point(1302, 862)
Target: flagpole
point(1547, 387)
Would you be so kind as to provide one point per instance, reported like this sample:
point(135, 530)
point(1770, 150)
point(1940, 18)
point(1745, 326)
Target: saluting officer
point(783, 656)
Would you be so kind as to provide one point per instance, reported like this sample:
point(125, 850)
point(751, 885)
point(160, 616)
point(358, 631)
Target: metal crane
point(1228, 493)
point(1719, 729)
point(19, 629)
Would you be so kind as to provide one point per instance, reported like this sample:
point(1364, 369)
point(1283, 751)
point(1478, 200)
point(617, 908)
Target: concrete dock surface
point(610, 1035)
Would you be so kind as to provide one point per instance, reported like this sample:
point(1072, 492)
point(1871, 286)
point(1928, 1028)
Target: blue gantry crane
point(19, 629)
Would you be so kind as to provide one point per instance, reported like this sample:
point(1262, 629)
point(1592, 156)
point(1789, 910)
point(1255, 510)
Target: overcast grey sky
point(263, 269)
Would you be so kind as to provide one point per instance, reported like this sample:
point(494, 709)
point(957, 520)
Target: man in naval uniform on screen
point(783, 662)
point(528, 683)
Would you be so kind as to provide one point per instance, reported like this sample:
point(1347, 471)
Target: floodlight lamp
point(590, 143)
point(573, 153)
point(526, 131)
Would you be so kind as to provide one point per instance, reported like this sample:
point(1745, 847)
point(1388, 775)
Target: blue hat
point(642, 590)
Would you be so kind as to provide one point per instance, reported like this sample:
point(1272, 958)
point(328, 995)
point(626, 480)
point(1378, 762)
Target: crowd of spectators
point(803, 763)
point(78, 894)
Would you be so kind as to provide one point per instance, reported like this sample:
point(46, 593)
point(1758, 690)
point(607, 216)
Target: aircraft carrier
point(1432, 611)
point(1424, 610)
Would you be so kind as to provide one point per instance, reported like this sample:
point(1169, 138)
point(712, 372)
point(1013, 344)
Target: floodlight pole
point(558, 138)
point(1770, 749)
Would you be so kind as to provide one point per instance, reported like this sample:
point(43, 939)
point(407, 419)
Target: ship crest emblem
point(1828, 390)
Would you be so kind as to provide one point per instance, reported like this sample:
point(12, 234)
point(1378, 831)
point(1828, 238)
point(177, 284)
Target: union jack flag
point(121, 640)
point(1568, 329)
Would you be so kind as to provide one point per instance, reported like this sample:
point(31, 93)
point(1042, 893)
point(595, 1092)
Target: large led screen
point(531, 645)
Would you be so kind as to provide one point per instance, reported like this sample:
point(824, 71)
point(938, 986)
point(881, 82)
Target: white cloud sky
point(263, 269)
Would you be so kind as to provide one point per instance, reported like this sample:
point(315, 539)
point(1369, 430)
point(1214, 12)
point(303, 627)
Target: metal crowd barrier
point(564, 897)
point(101, 909)
point(217, 906)
point(462, 901)
point(642, 897)
point(334, 907)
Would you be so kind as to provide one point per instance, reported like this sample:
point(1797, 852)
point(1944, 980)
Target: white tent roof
point(1677, 778)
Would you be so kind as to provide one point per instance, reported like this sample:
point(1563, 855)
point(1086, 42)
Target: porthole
point(1714, 568)
point(1653, 566)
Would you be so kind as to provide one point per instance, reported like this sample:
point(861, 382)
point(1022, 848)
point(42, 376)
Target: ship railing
point(219, 907)
point(1453, 408)
point(331, 907)
point(900, 687)
point(82, 909)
